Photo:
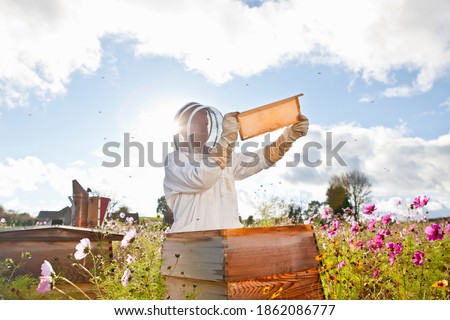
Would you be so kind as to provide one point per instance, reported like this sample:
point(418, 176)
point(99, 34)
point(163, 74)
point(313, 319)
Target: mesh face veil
point(199, 127)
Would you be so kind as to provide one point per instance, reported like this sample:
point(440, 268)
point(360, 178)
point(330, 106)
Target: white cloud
point(77, 163)
point(45, 42)
point(446, 104)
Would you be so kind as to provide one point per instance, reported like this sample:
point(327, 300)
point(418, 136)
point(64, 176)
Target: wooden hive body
point(54, 244)
point(246, 263)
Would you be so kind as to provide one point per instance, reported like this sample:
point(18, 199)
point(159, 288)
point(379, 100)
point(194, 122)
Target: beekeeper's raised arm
point(199, 182)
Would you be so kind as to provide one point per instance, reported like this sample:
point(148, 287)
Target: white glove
point(221, 154)
point(276, 150)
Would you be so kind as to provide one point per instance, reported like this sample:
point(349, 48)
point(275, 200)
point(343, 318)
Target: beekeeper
point(200, 175)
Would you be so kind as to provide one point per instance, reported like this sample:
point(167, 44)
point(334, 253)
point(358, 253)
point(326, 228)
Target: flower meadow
point(379, 256)
point(384, 256)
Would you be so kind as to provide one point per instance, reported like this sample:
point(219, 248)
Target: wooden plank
point(180, 288)
point(56, 233)
point(199, 257)
point(302, 285)
point(274, 230)
point(195, 235)
point(264, 253)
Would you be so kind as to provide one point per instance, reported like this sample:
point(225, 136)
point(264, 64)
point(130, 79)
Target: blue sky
point(375, 76)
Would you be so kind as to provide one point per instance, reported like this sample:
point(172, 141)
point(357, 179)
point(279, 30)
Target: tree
point(16, 219)
point(249, 221)
point(337, 194)
point(348, 190)
point(313, 208)
point(359, 189)
point(337, 198)
point(295, 213)
point(164, 210)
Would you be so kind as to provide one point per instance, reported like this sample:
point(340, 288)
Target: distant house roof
point(65, 214)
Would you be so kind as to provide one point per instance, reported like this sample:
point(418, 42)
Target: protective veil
point(199, 189)
point(184, 137)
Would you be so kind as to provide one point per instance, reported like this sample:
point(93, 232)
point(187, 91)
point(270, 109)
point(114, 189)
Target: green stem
point(63, 293)
point(94, 279)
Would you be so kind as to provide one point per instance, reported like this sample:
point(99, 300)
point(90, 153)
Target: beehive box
point(54, 244)
point(247, 263)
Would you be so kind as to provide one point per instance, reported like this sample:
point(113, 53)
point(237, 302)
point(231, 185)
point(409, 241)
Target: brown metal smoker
point(80, 202)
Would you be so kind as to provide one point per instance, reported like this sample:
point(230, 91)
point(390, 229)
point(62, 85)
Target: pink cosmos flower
point(128, 237)
point(420, 203)
point(398, 248)
point(369, 208)
point(47, 269)
point(447, 230)
point(411, 227)
point(380, 233)
point(375, 243)
point(386, 219)
point(129, 220)
point(333, 228)
point(391, 258)
point(433, 232)
point(371, 224)
point(331, 232)
point(355, 227)
point(360, 244)
point(326, 213)
point(83, 248)
point(341, 264)
point(45, 280)
point(348, 210)
point(418, 258)
point(375, 273)
point(125, 277)
point(45, 284)
point(335, 224)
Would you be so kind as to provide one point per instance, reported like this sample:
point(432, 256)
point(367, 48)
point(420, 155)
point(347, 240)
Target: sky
point(75, 76)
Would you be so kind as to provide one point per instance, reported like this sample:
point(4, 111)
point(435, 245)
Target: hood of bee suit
point(183, 122)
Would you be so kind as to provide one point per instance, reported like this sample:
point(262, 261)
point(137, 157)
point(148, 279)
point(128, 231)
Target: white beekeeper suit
point(199, 183)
